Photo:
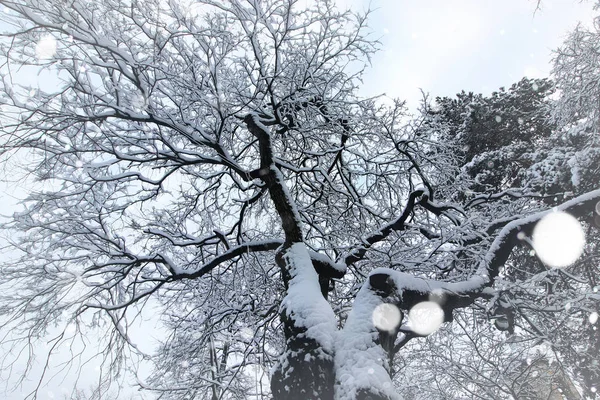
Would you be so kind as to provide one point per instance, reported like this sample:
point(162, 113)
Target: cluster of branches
point(181, 145)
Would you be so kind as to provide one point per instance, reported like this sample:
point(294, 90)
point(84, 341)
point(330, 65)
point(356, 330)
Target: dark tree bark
point(306, 369)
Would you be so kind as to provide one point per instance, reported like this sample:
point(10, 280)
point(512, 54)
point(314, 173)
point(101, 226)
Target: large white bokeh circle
point(558, 239)
point(46, 48)
point(426, 317)
point(386, 317)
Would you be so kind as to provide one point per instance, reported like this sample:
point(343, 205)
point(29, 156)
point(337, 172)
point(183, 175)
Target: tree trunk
point(306, 368)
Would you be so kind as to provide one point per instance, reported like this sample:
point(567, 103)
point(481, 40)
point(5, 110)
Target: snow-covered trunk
point(363, 349)
point(318, 362)
point(305, 370)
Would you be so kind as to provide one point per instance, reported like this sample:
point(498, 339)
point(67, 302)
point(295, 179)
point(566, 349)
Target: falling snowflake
point(593, 318)
point(45, 48)
point(386, 317)
point(558, 239)
point(426, 317)
point(498, 118)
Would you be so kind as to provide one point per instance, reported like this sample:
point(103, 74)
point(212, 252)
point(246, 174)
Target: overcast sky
point(445, 46)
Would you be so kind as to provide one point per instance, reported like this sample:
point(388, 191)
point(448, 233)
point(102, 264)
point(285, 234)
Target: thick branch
point(385, 231)
point(451, 295)
point(234, 252)
point(321, 263)
point(271, 175)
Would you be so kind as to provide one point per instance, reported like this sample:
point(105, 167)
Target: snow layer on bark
point(575, 175)
point(404, 281)
point(304, 302)
point(359, 360)
point(510, 227)
point(338, 266)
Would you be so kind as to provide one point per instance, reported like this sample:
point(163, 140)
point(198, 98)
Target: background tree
point(212, 163)
point(521, 139)
point(499, 136)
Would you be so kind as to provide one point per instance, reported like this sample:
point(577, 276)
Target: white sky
point(443, 47)
point(446, 46)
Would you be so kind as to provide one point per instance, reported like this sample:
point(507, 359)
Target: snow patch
point(304, 301)
point(405, 281)
point(338, 266)
point(359, 360)
point(575, 175)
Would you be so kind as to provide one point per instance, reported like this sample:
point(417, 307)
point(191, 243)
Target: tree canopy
point(211, 163)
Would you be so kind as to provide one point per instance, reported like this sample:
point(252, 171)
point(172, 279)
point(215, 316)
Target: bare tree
point(214, 157)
